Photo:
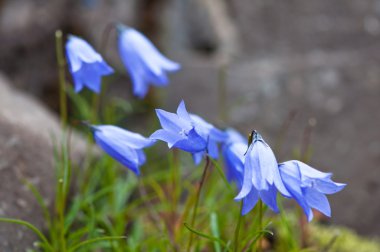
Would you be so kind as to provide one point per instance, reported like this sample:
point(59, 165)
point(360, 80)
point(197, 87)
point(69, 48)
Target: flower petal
point(182, 112)
point(197, 157)
point(124, 154)
point(292, 184)
point(250, 201)
point(247, 181)
point(78, 51)
point(309, 172)
point(234, 158)
point(170, 121)
point(328, 186)
point(134, 140)
point(317, 200)
point(166, 136)
point(193, 143)
point(212, 148)
point(269, 198)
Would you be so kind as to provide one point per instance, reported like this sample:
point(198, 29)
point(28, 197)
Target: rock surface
point(26, 154)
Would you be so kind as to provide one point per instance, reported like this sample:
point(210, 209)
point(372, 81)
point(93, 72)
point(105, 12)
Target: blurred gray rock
point(27, 42)
point(27, 130)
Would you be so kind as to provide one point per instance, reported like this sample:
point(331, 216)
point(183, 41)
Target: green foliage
point(101, 206)
point(340, 239)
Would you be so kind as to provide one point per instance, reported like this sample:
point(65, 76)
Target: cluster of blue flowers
point(251, 165)
point(145, 64)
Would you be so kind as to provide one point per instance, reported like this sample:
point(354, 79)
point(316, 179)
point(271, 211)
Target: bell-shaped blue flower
point(308, 186)
point(234, 148)
point(178, 130)
point(210, 134)
point(261, 178)
point(234, 162)
point(123, 145)
point(145, 64)
point(85, 64)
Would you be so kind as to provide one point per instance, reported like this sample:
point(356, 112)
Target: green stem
point(63, 189)
point(237, 230)
point(174, 166)
point(61, 76)
point(95, 107)
point(259, 249)
point(195, 209)
point(92, 241)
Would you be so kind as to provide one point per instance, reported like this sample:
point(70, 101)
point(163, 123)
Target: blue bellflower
point(210, 134)
point(123, 145)
point(234, 148)
point(234, 162)
point(261, 178)
point(145, 64)
point(85, 64)
point(178, 130)
point(308, 186)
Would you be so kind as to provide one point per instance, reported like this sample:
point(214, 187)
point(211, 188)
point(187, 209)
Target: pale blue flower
point(145, 64)
point(123, 145)
point(261, 178)
point(85, 64)
point(178, 130)
point(308, 186)
point(210, 134)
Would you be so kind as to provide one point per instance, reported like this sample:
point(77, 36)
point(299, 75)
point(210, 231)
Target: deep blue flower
point(234, 148)
point(145, 64)
point(85, 64)
point(308, 186)
point(210, 134)
point(178, 130)
point(261, 178)
point(123, 145)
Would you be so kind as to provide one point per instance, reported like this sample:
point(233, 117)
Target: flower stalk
point(237, 230)
point(259, 248)
point(61, 77)
point(195, 209)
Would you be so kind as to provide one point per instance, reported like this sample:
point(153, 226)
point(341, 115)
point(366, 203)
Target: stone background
point(317, 59)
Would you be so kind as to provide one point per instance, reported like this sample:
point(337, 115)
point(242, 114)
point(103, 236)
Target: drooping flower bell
point(210, 134)
point(261, 178)
point(234, 148)
point(86, 65)
point(145, 64)
point(178, 130)
point(308, 186)
point(124, 146)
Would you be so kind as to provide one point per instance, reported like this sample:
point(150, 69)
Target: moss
point(340, 239)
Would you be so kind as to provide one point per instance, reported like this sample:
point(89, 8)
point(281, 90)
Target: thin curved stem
point(259, 249)
point(195, 209)
point(237, 230)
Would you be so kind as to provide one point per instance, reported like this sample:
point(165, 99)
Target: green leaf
point(95, 240)
point(31, 227)
point(215, 230)
point(209, 237)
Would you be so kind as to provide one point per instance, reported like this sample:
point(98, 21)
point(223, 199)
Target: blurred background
point(297, 71)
